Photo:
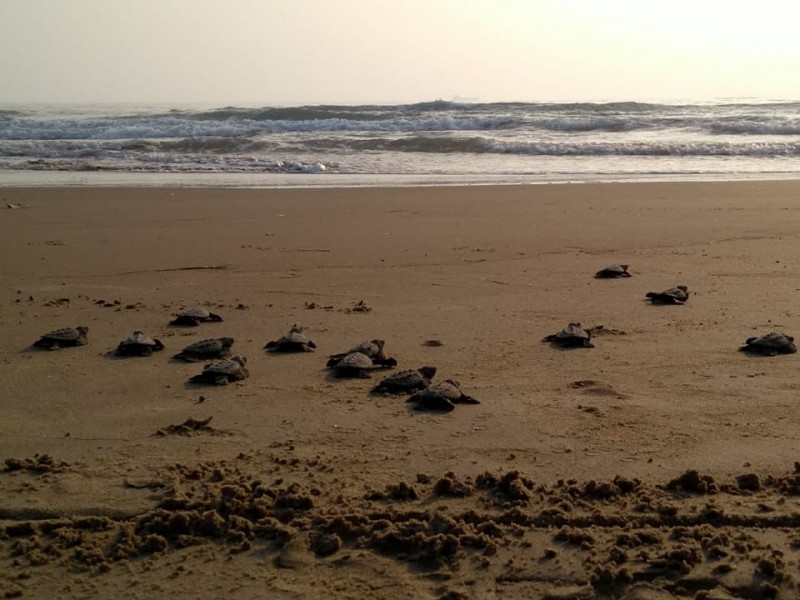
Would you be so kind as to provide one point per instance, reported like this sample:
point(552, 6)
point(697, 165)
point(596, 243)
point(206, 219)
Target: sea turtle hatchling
point(138, 344)
point(572, 336)
point(371, 348)
point(294, 341)
point(224, 371)
point(676, 295)
point(406, 381)
point(204, 349)
point(442, 396)
point(66, 336)
point(770, 344)
point(192, 317)
point(357, 364)
point(613, 272)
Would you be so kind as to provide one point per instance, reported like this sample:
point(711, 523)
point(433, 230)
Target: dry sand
point(659, 463)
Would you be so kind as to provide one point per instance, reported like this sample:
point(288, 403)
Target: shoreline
point(488, 271)
point(37, 179)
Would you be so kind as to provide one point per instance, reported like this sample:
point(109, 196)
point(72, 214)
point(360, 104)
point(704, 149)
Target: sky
point(276, 52)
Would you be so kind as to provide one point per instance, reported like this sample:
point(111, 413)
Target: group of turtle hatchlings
point(575, 336)
point(361, 360)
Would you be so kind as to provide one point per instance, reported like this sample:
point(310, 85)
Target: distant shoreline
point(50, 179)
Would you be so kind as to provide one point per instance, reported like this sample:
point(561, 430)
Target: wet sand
point(659, 463)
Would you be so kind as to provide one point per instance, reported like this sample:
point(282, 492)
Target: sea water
point(430, 143)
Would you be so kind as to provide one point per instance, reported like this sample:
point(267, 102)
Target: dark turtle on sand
point(406, 381)
point(138, 344)
point(192, 317)
point(294, 341)
point(676, 295)
point(66, 336)
point(211, 348)
point(613, 272)
point(224, 371)
point(572, 336)
point(442, 396)
point(770, 344)
point(371, 348)
point(357, 364)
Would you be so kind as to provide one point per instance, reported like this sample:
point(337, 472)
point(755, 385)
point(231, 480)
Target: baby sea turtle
point(224, 371)
point(294, 341)
point(138, 344)
point(357, 364)
point(211, 348)
point(441, 396)
point(406, 381)
point(572, 336)
point(770, 344)
point(66, 336)
point(612, 272)
point(192, 317)
point(676, 295)
point(370, 348)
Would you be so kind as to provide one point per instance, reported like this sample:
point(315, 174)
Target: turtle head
point(82, 329)
point(683, 287)
point(452, 382)
point(226, 342)
point(240, 359)
point(296, 328)
point(427, 372)
point(379, 343)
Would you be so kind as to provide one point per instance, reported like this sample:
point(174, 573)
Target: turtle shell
point(355, 360)
point(294, 341)
point(675, 295)
point(572, 335)
point(138, 343)
point(223, 371)
point(196, 312)
point(210, 348)
point(355, 364)
point(442, 396)
point(771, 344)
point(613, 271)
point(370, 348)
point(194, 316)
point(66, 336)
point(406, 381)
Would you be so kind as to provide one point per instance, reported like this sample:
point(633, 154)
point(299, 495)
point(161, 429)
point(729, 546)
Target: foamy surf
point(434, 139)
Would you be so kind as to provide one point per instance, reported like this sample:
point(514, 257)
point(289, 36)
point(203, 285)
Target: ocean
point(428, 143)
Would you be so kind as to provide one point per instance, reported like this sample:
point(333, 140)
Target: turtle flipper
point(464, 399)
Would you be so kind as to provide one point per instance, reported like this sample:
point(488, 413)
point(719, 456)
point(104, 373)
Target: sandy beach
point(658, 464)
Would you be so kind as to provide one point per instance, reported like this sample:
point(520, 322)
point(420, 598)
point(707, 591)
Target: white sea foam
point(435, 137)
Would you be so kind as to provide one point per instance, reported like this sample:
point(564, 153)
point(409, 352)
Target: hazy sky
point(367, 51)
